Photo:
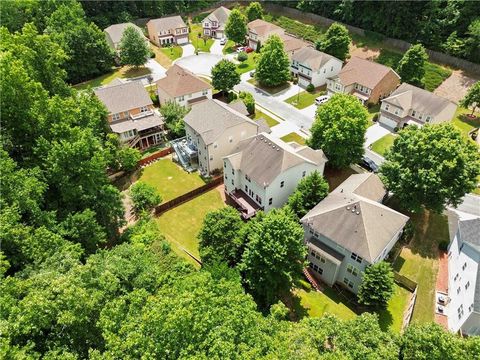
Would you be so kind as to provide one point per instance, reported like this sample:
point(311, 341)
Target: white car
point(223, 41)
point(322, 100)
point(240, 49)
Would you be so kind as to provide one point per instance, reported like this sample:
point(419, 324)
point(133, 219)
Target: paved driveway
point(157, 70)
point(200, 64)
point(310, 111)
point(216, 47)
point(374, 133)
point(188, 50)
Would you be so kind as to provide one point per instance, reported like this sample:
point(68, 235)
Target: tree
point(225, 76)
point(309, 192)
point(335, 41)
point(249, 101)
point(273, 256)
point(254, 11)
point(411, 67)
point(377, 285)
point(128, 158)
point(144, 197)
point(236, 27)
point(219, 236)
point(134, 50)
point(273, 67)
point(242, 56)
point(339, 130)
point(173, 114)
point(417, 178)
point(472, 98)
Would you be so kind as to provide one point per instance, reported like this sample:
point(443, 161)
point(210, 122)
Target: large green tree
point(309, 192)
point(335, 41)
point(134, 50)
point(236, 27)
point(432, 166)
point(377, 285)
point(173, 114)
point(472, 98)
point(411, 67)
point(273, 67)
point(339, 130)
point(254, 11)
point(225, 76)
point(144, 197)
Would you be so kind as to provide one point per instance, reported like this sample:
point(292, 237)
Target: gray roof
point(167, 23)
point(263, 126)
point(140, 124)
point(220, 15)
point(114, 33)
point(263, 157)
point(123, 97)
point(358, 224)
point(210, 118)
point(367, 185)
point(409, 97)
point(313, 58)
point(239, 106)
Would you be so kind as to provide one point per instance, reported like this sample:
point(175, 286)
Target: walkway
point(217, 48)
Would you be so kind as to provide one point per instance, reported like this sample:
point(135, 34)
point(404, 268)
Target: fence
point(188, 196)
point(407, 316)
point(396, 44)
point(404, 281)
point(155, 156)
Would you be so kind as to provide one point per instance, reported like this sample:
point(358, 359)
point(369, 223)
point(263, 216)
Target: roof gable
point(364, 72)
point(123, 96)
point(115, 32)
point(179, 81)
point(313, 58)
point(167, 23)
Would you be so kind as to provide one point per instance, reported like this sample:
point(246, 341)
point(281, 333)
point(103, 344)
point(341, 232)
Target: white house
point(314, 67)
point(463, 308)
point(262, 171)
point(349, 230)
point(214, 23)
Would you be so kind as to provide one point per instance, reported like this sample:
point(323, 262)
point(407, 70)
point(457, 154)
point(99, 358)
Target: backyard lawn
point(247, 65)
point(121, 72)
point(304, 99)
point(293, 137)
point(270, 121)
point(172, 52)
point(181, 225)
point(197, 39)
point(383, 144)
point(463, 123)
point(169, 179)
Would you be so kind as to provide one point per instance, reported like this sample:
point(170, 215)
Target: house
point(213, 129)
point(463, 304)
point(181, 86)
point(214, 24)
point(261, 172)
point(412, 105)
point(291, 44)
point(314, 67)
point(367, 80)
point(349, 230)
point(114, 34)
point(168, 30)
point(259, 30)
point(131, 114)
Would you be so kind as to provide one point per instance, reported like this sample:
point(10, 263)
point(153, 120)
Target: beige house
point(259, 30)
point(167, 30)
point(263, 171)
point(367, 80)
point(131, 114)
point(213, 129)
point(412, 105)
point(114, 34)
point(214, 24)
point(181, 86)
point(349, 230)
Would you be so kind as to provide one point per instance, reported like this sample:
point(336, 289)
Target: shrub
point(242, 56)
point(155, 99)
point(375, 118)
point(310, 88)
point(295, 80)
point(248, 100)
point(231, 96)
point(443, 245)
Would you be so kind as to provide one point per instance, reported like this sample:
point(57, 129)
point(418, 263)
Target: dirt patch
point(364, 52)
point(456, 86)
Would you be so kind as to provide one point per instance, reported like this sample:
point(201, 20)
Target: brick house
point(167, 30)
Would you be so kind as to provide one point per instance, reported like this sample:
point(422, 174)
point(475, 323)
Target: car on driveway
point(240, 49)
point(248, 49)
point(223, 41)
point(322, 100)
point(369, 164)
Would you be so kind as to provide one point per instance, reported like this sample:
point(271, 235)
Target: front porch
point(240, 200)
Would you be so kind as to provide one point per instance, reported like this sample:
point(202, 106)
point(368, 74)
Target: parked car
point(223, 41)
point(248, 49)
point(252, 74)
point(322, 100)
point(369, 164)
point(240, 49)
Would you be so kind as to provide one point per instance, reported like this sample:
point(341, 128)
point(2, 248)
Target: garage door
point(387, 122)
point(303, 82)
point(182, 40)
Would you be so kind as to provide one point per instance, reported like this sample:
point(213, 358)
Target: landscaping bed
point(270, 90)
point(304, 99)
point(293, 137)
point(247, 65)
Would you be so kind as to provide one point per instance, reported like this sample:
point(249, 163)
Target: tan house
point(131, 114)
point(114, 34)
point(213, 129)
point(167, 30)
point(181, 86)
point(214, 24)
point(412, 105)
point(292, 44)
point(367, 80)
point(259, 30)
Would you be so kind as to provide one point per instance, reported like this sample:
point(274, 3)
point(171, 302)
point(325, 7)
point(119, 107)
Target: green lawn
point(247, 65)
point(304, 99)
point(229, 47)
point(271, 90)
point(152, 150)
point(173, 52)
point(383, 144)
point(121, 72)
point(463, 123)
point(270, 121)
point(372, 111)
point(293, 137)
point(302, 30)
point(197, 39)
point(169, 179)
point(392, 316)
point(181, 225)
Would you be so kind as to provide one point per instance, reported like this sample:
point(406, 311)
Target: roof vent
point(353, 210)
point(261, 137)
point(278, 149)
point(358, 212)
point(265, 141)
point(348, 207)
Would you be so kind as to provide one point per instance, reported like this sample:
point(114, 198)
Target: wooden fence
point(188, 196)
point(404, 281)
point(155, 156)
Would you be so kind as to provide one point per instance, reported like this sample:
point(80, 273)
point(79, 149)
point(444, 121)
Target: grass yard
point(463, 123)
point(152, 150)
point(270, 121)
point(372, 111)
point(169, 179)
point(270, 90)
point(197, 39)
point(122, 72)
point(392, 316)
point(293, 137)
point(172, 52)
point(229, 47)
point(304, 99)
point(181, 225)
point(247, 65)
point(383, 144)
point(335, 177)
point(305, 31)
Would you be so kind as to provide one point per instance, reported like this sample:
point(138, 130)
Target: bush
point(249, 102)
point(128, 158)
point(295, 80)
point(231, 96)
point(242, 56)
point(279, 311)
point(375, 118)
point(155, 99)
point(443, 245)
point(152, 54)
point(310, 88)
point(144, 197)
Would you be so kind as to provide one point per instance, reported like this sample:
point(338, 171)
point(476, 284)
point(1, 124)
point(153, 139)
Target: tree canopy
point(472, 98)
point(273, 67)
point(236, 27)
point(411, 67)
point(225, 76)
point(335, 41)
point(254, 11)
point(134, 50)
point(144, 197)
point(309, 192)
point(377, 285)
point(173, 114)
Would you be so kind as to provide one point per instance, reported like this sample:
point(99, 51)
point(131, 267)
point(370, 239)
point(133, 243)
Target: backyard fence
point(405, 282)
point(407, 316)
point(155, 156)
point(188, 196)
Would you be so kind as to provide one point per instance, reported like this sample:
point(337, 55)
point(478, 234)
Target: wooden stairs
point(311, 279)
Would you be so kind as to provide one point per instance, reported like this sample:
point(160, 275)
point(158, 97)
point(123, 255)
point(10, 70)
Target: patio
point(246, 205)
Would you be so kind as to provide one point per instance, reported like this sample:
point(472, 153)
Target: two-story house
point(259, 30)
point(167, 30)
point(262, 172)
point(349, 230)
point(213, 129)
point(131, 114)
point(367, 80)
point(412, 105)
point(463, 304)
point(314, 67)
point(181, 86)
point(214, 24)
point(114, 34)
point(292, 44)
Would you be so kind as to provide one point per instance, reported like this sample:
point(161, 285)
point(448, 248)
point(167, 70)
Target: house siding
point(164, 97)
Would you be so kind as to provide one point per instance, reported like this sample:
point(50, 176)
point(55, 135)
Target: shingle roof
point(115, 32)
point(140, 124)
point(291, 43)
point(367, 185)
point(363, 72)
point(167, 23)
point(239, 106)
point(358, 224)
point(313, 58)
point(264, 157)
point(220, 15)
point(210, 118)
point(262, 27)
point(123, 97)
point(179, 81)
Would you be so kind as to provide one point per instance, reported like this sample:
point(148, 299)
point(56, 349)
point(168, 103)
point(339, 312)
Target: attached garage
point(303, 82)
point(392, 124)
point(182, 40)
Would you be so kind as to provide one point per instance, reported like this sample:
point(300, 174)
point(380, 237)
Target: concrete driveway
point(156, 70)
point(217, 48)
point(200, 64)
point(374, 133)
point(188, 50)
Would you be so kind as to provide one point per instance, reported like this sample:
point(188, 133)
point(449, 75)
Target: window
point(115, 117)
point(211, 157)
point(467, 285)
point(356, 258)
point(460, 311)
point(387, 106)
point(233, 182)
point(304, 173)
point(470, 308)
point(315, 268)
point(144, 109)
point(324, 71)
point(338, 87)
point(247, 178)
point(352, 270)
point(458, 290)
point(205, 92)
point(181, 98)
point(464, 266)
point(125, 114)
point(414, 113)
point(233, 172)
point(455, 278)
point(246, 188)
point(230, 139)
point(420, 116)
point(331, 69)
point(348, 283)
point(270, 201)
point(396, 111)
point(215, 146)
point(282, 184)
point(428, 119)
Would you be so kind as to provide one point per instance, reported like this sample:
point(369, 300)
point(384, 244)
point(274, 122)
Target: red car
point(248, 49)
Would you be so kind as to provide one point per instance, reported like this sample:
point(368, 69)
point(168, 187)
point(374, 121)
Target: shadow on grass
point(135, 72)
point(385, 319)
point(335, 177)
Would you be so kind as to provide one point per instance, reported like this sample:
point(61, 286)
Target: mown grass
point(464, 123)
point(172, 52)
point(304, 99)
point(270, 121)
point(293, 137)
point(383, 144)
point(201, 42)
point(125, 72)
point(229, 47)
point(249, 64)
